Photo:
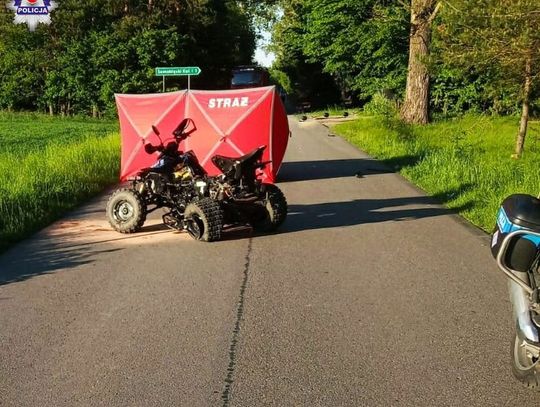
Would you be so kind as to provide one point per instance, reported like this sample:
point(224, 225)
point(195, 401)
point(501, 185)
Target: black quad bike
point(196, 202)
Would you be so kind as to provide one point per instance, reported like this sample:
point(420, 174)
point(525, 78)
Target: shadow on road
point(356, 212)
point(45, 258)
point(359, 167)
point(45, 255)
point(336, 214)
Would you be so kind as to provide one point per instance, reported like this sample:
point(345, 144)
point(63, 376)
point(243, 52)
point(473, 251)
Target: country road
point(371, 295)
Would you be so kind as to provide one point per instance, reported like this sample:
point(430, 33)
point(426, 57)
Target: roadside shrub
point(380, 105)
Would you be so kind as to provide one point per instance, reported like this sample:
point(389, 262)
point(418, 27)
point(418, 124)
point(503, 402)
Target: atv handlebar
point(180, 132)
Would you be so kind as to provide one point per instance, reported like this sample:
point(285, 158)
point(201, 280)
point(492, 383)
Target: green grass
point(48, 166)
point(26, 132)
point(464, 162)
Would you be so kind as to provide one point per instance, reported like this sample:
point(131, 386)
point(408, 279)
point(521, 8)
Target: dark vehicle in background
point(249, 76)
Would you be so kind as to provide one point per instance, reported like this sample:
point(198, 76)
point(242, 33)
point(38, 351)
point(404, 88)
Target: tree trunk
point(51, 110)
point(520, 139)
point(94, 111)
point(416, 106)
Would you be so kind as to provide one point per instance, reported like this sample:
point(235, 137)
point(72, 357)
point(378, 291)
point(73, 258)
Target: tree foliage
point(95, 48)
point(501, 38)
point(359, 45)
point(304, 80)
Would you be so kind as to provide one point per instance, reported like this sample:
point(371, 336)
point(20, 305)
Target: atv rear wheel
point(125, 211)
point(275, 206)
point(204, 220)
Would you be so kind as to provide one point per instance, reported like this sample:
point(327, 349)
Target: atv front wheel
point(275, 208)
point(125, 211)
point(204, 220)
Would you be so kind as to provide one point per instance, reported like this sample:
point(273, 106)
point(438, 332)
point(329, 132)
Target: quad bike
point(176, 182)
point(196, 202)
point(515, 244)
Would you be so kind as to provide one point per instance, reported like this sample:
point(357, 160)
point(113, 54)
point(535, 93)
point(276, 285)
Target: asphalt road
point(371, 295)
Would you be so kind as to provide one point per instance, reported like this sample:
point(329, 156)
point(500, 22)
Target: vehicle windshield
point(246, 78)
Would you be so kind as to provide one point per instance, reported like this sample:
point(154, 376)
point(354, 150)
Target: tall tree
point(416, 105)
point(505, 34)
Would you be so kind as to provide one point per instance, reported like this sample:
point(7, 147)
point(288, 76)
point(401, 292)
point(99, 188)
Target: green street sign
point(178, 71)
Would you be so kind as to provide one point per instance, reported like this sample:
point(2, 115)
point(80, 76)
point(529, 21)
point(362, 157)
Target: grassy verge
point(464, 162)
point(48, 166)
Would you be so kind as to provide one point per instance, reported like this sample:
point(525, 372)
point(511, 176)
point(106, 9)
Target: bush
point(380, 105)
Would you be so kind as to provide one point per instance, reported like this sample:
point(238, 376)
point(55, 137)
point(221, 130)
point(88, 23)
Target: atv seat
point(233, 166)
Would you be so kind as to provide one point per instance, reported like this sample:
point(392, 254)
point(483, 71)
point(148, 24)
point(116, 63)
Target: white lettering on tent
point(222, 103)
